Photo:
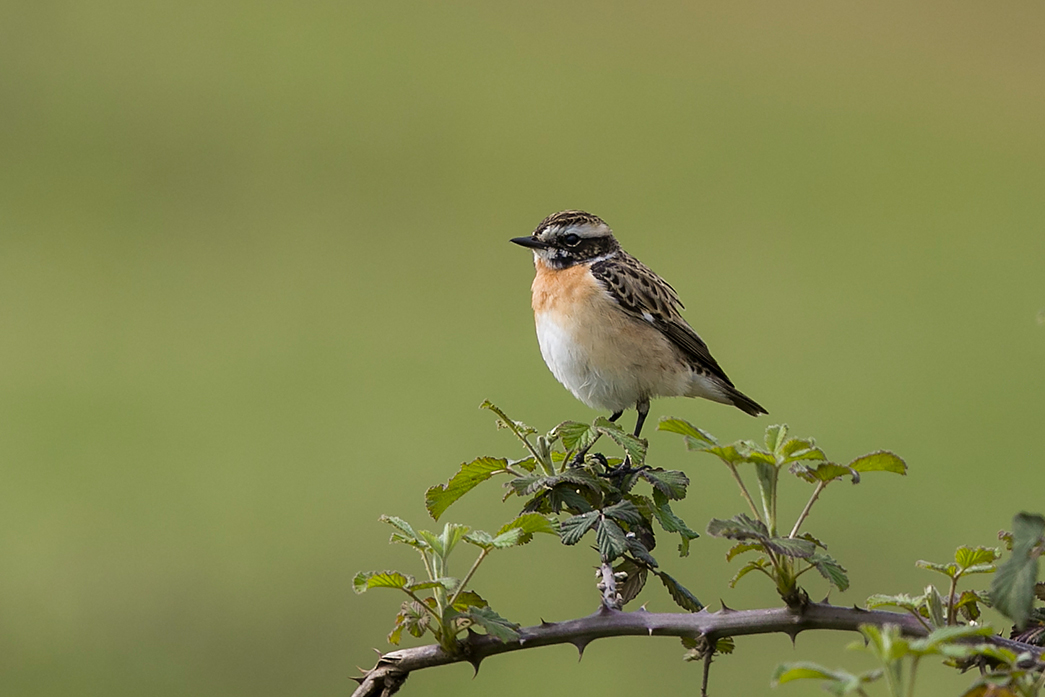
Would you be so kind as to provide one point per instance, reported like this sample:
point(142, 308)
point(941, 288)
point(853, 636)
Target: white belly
point(610, 365)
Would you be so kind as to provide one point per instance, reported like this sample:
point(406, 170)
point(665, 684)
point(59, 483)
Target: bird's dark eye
point(571, 240)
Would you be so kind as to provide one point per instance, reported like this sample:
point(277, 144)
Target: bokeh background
point(255, 281)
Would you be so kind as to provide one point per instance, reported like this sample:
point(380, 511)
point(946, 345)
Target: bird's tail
point(744, 403)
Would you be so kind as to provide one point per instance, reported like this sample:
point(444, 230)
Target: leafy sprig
point(442, 604)
point(783, 558)
point(591, 492)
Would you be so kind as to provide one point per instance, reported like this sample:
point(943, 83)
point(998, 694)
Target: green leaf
point(839, 682)
point(451, 535)
point(934, 604)
point(524, 486)
point(509, 538)
point(968, 604)
point(981, 569)
point(671, 483)
point(438, 498)
point(555, 500)
point(413, 618)
point(815, 541)
point(447, 582)
point(526, 463)
point(775, 438)
point(365, 580)
point(768, 476)
point(885, 642)
point(638, 550)
point(907, 602)
point(624, 511)
point(635, 447)
point(467, 599)
point(610, 539)
point(949, 570)
point(741, 547)
point(687, 429)
point(406, 534)
point(480, 538)
point(945, 635)
point(672, 523)
point(739, 527)
point(1012, 590)
point(517, 427)
point(529, 524)
point(791, 546)
point(822, 472)
point(797, 449)
point(727, 453)
point(760, 564)
point(576, 477)
point(573, 529)
point(575, 435)
point(633, 584)
point(755, 454)
point(880, 461)
point(969, 557)
point(680, 594)
point(830, 569)
point(495, 625)
point(725, 645)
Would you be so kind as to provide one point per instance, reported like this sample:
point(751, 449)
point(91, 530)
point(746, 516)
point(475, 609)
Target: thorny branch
point(393, 668)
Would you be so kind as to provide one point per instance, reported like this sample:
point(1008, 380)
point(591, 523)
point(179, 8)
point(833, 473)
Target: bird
point(609, 328)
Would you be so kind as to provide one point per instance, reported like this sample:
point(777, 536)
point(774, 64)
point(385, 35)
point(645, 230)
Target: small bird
point(610, 329)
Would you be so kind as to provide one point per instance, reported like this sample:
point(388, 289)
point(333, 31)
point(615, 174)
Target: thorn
point(522, 641)
point(827, 599)
point(650, 631)
point(581, 645)
point(860, 609)
point(725, 608)
point(378, 652)
point(643, 608)
point(475, 664)
point(547, 624)
point(359, 680)
point(793, 633)
point(603, 609)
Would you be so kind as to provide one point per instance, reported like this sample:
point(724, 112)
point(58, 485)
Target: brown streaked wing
point(638, 290)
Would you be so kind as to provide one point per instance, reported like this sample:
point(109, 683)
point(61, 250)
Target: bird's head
point(568, 238)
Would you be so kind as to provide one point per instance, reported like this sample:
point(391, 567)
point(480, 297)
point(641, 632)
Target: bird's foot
point(578, 459)
point(622, 470)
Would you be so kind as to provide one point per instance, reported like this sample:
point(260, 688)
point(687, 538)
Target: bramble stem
point(468, 577)
point(950, 599)
point(743, 490)
point(809, 505)
point(423, 604)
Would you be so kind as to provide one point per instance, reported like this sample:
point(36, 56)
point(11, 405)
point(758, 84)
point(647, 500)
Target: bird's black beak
point(531, 242)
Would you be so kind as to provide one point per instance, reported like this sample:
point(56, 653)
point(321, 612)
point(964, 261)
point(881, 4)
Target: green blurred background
point(255, 280)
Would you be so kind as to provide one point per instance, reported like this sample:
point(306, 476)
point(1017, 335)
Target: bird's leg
point(643, 408)
point(578, 459)
point(625, 467)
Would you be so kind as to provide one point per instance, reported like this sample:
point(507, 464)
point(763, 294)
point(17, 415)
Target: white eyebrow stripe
point(603, 257)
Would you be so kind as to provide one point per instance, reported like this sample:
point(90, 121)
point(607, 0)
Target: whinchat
point(610, 329)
